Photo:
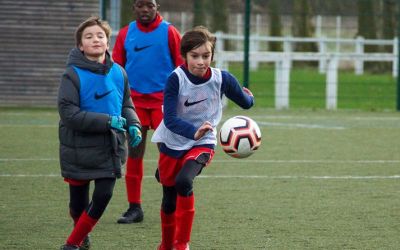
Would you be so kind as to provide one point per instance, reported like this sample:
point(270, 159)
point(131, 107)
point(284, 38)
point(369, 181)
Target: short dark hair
point(134, 1)
point(195, 38)
point(91, 21)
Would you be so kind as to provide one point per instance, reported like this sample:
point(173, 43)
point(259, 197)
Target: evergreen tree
point(219, 16)
point(199, 13)
point(389, 19)
point(275, 24)
point(388, 26)
point(366, 19)
point(367, 29)
point(126, 12)
point(302, 25)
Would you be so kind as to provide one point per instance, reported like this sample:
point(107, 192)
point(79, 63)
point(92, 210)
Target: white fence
point(328, 60)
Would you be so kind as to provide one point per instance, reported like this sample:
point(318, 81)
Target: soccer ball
point(240, 136)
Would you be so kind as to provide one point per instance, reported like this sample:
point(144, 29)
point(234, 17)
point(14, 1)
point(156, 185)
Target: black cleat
point(69, 247)
point(85, 243)
point(132, 215)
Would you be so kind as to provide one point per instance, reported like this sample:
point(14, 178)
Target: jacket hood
point(78, 59)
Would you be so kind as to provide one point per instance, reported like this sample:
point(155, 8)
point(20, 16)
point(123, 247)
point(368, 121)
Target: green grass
point(307, 88)
point(320, 180)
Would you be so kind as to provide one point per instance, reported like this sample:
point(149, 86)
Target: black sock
point(133, 206)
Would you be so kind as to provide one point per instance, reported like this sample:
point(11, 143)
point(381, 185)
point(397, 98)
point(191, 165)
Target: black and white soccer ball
point(240, 136)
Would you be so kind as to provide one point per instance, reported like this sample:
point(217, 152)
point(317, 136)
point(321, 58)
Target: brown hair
point(195, 38)
point(91, 21)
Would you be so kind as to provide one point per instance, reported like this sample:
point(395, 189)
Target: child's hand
point(204, 128)
point(118, 123)
point(247, 91)
point(135, 136)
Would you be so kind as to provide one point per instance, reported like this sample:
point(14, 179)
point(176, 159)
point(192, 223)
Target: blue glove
point(135, 136)
point(118, 123)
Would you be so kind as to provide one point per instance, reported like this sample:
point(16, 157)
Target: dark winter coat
point(89, 148)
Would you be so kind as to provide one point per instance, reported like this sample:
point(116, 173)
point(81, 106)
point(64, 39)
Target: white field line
point(260, 123)
point(324, 117)
point(344, 177)
point(356, 118)
point(260, 120)
point(298, 125)
point(28, 125)
point(29, 113)
point(238, 161)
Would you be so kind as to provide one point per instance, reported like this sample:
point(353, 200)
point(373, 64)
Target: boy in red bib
point(148, 49)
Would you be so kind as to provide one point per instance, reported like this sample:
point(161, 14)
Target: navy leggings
point(183, 185)
point(79, 198)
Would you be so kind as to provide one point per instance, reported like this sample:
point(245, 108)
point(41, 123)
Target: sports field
point(321, 180)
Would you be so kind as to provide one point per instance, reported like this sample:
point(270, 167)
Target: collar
point(206, 76)
point(151, 26)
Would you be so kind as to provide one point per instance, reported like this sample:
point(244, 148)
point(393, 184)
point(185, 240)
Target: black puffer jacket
point(89, 149)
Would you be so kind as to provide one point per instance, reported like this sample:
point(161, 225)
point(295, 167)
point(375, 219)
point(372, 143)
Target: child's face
point(199, 59)
point(94, 43)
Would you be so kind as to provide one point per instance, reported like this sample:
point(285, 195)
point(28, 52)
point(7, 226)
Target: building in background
point(36, 37)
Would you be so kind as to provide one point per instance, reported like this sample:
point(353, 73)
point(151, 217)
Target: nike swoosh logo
point(187, 103)
point(99, 96)
point(137, 49)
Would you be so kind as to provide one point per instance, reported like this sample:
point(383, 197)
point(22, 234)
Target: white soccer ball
point(240, 136)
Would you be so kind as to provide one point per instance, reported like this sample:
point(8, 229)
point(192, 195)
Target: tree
point(126, 12)
point(366, 19)
point(199, 13)
point(389, 19)
point(275, 24)
point(219, 16)
point(367, 29)
point(389, 25)
point(302, 25)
